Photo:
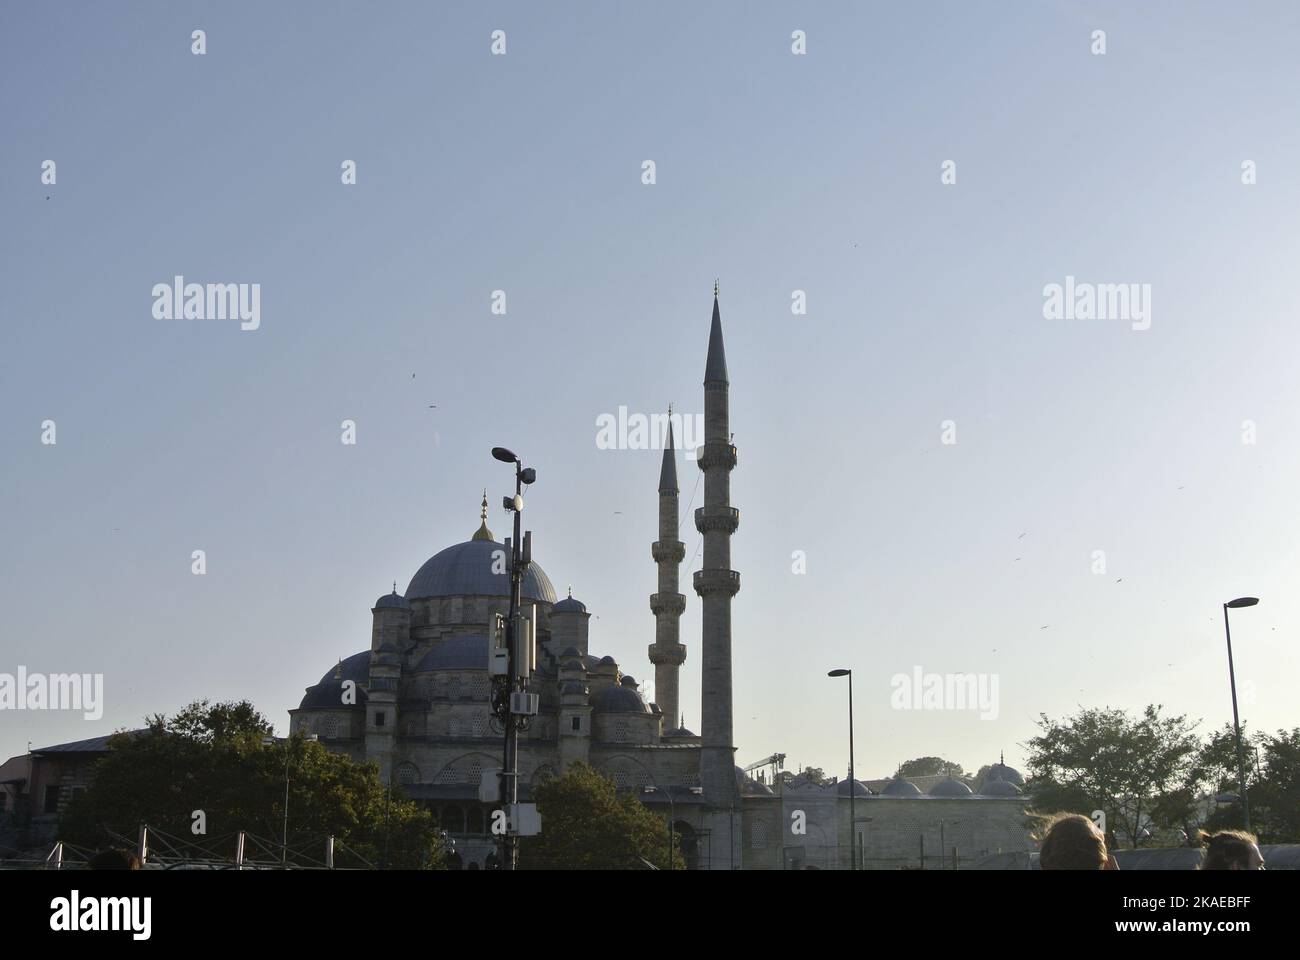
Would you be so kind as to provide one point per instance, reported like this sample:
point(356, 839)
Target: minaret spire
point(483, 533)
point(716, 582)
point(667, 652)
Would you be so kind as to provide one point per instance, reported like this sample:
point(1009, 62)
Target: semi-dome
point(749, 787)
point(470, 569)
point(999, 788)
point(574, 664)
point(618, 699)
point(574, 686)
point(951, 787)
point(455, 653)
point(394, 599)
point(901, 788)
point(329, 691)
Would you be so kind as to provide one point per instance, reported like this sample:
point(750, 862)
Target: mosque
point(418, 700)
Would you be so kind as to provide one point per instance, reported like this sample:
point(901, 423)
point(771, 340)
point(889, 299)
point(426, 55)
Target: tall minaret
point(667, 652)
point(716, 582)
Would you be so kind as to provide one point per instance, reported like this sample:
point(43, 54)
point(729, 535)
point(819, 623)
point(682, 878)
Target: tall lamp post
point(519, 560)
point(284, 833)
point(1236, 723)
point(853, 784)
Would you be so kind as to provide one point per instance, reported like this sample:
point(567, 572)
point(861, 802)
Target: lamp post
point(284, 832)
point(672, 815)
point(1236, 723)
point(853, 784)
point(519, 560)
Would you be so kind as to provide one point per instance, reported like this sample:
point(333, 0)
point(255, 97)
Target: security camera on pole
point(511, 701)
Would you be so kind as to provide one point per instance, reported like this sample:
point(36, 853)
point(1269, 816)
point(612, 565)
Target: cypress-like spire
point(715, 369)
point(668, 473)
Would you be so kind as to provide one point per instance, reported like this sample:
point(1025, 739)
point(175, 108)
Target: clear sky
point(775, 172)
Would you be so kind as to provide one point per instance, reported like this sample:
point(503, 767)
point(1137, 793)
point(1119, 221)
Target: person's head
point(1070, 841)
point(114, 858)
point(1231, 850)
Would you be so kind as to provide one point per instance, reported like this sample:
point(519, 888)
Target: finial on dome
point(483, 533)
point(394, 588)
point(715, 289)
point(570, 591)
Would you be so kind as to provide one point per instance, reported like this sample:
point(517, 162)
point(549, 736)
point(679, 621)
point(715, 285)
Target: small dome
point(951, 788)
point(394, 599)
point(572, 665)
point(1000, 771)
point(749, 787)
point(569, 605)
point(860, 789)
point(628, 681)
point(571, 653)
point(679, 732)
point(608, 661)
point(573, 686)
point(900, 788)
point(618, 700)
point(999, 788)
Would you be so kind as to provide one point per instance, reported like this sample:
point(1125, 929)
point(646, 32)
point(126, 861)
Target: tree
point(210, 758)
point(587, 825)
point(1275, 799)
point(1141, 771)
point(929, 767)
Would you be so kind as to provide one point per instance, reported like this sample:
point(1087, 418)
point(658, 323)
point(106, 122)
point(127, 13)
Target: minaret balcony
point(708, 519)
point(724, 583)
point(673, 654)
point(717, 454)
point(670, 603)
point(671, 551)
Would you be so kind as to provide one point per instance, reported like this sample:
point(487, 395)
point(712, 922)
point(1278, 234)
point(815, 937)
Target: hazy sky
point(775, 172)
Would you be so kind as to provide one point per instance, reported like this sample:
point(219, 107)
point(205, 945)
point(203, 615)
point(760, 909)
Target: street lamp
point(853, 784)
point(1236, 723)
point(672, 815)
point(269, 741)
point(520, 557)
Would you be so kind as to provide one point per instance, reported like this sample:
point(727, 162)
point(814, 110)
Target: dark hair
point(1227, 849)
point(113, 858)
point(1070, 841)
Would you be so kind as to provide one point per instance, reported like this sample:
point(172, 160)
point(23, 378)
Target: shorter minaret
point(667, 652)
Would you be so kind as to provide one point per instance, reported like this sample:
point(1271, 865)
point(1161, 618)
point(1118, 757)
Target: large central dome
point(469, 569)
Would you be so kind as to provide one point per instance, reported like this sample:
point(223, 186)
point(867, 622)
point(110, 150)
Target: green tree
point(587, 825)
point(1275, 798)
point(211, 758)
point(1142, 771)
point(929, 767)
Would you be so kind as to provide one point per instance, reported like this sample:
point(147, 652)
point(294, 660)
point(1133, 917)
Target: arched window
point(620, 730)
point(330, 728)
point(758, 834)
point(453, 727)
point(407, 772)
point(480, 686)
point(480, 725)
point(453, 688)
point(543, 773)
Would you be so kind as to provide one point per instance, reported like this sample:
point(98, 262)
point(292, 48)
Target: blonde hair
point(1071, 841)
point(1226, 849)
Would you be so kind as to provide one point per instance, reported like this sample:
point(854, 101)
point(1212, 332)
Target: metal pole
point(511, 845)
point(853, 784)
point(284, 833)
point(672, 826)
point(1236, 725)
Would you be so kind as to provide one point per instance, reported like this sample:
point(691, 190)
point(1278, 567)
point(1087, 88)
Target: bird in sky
point(1021, 537)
